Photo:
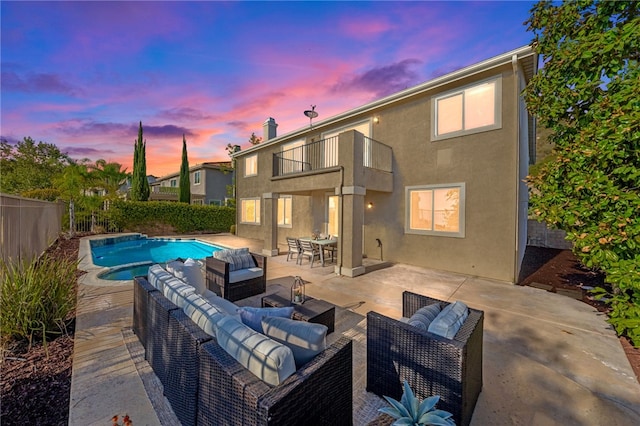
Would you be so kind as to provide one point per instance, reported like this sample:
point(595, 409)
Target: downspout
point(340, 209)
point(516, 80)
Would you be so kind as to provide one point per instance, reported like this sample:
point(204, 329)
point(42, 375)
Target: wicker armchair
point(218, 279)
point(319, 393)
point(432, 365)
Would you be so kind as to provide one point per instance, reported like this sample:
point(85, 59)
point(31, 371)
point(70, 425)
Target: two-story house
point(209, 182)
point(430, 176)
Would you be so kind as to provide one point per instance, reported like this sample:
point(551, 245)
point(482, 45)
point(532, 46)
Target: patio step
point(371, 265)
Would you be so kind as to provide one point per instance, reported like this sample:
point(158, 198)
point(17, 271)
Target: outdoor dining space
point(311, 248)
point(500, 369)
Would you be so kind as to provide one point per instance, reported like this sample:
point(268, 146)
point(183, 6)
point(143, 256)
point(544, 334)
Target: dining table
point(322, 244)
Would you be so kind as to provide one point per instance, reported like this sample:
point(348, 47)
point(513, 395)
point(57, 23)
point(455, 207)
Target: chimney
point(269, 129)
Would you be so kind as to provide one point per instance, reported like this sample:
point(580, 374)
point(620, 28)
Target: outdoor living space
point(547, 359)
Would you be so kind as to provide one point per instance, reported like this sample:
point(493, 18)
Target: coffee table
point(312, 310)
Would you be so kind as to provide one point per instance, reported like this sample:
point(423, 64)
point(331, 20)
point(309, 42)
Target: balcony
point(323, 154)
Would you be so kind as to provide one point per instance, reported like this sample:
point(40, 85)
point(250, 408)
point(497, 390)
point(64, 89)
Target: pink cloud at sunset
point(82, 75)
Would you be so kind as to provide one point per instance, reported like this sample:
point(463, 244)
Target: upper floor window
point(251, 165)
point(174, 182)
point(197, 201)
point(435, 210)
point(284, 210)
point(471, 109)
point(196, 178)
point(250, 210)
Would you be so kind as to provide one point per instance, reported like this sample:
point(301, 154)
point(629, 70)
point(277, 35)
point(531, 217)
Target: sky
point(82, 75)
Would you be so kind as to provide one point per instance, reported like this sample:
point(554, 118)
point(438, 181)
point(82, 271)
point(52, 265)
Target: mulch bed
point(35, 382)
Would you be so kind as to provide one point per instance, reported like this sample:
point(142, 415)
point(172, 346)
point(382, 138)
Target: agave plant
point(410, 411)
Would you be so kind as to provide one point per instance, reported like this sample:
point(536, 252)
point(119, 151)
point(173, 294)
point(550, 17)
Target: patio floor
point(548, 359)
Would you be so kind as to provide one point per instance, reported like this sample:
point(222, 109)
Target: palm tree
point(109, 176)
point(73, 183)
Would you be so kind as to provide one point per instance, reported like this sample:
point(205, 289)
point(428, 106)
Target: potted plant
point(410, 411)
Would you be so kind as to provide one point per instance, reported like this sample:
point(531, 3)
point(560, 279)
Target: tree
point(28, 166)
point(139, 183)
point(586, 94)
point(74, 181)
point(254, 140)
point(109, 176)
point(185, 183)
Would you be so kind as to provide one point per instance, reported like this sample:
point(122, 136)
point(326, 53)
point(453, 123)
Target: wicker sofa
point(220, 279)
point(431, 364)
point(207, 386)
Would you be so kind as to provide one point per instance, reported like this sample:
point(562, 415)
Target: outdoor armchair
point(431, 364)
point(218, 279)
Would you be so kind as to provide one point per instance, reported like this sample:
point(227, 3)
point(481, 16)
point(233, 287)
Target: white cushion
point(305, 339)
point(449, 320)
point(174, 267)
point(191, 274)
point(253, 316)
point(236, 258)
point(423, 317)
point(244, 274)
point(202, 313)
point(175, 290)
point(270, 361)
point(228, 307)
point(158, 276)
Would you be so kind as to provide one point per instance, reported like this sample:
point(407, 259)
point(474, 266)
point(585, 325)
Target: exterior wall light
point(370, 205)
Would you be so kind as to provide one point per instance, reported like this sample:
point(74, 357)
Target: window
point(174, 183)
point(284, 210)
point(435, 210)
point(331, 138)
point(196, 178)
point(250, 210)
point(251, 165)
point(215, 202)
point(197, 201)
point(333, 215)
point(469, 110)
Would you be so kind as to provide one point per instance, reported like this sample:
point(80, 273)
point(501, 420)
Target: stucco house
point(209, 182)
point(430, 176)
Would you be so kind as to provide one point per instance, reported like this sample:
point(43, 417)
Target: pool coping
point(93, 271)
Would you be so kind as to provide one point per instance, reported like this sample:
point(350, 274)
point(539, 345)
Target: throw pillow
point(449, 321)
point(269, 360)
point(192, 275)
point(174, 267)
point(252, 317)
point(305, 339)
point(423, 317)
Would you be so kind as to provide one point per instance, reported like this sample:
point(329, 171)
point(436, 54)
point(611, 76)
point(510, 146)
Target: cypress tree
point(139, 183)
point(185, 183)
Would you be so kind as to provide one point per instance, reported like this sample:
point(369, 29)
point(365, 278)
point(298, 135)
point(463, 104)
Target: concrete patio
point(548, 359)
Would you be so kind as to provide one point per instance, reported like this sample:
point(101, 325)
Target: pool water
point(140, 253)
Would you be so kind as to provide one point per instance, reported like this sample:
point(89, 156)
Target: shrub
point(183, 217)
point(36, 297)
point(233, 229)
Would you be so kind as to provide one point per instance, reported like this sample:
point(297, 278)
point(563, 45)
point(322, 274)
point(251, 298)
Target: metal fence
point(28, 226)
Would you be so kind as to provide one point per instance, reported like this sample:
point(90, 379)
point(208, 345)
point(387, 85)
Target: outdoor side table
point(312, 310)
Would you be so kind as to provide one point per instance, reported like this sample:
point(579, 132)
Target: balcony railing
point(323, 154)
point(166, 190)
point(377, 155)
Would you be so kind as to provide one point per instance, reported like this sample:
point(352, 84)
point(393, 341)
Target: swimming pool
point(130, 256)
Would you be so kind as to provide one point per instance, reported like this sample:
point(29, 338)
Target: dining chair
point(308, 249)
point(294, 248)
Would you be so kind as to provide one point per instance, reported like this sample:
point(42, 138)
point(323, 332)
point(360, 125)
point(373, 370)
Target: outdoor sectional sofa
point(231, 278)
point(205, 385)
point(431, 364)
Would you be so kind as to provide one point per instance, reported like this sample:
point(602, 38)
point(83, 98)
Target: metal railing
point(165, 189)
point(377, 155)
point(323, 154)
point(317, 155)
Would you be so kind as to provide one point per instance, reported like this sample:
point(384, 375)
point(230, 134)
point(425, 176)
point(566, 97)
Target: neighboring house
point(209, 182)
point(124, 189)
point(431, 176)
